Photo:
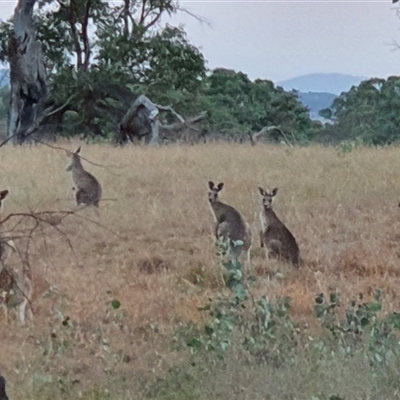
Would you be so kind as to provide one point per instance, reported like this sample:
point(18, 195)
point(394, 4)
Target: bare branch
point(265, 129)
point(199, 18)
point(52, 112)
point(172, 111)
point(154, 21)
point(142, 13)
point(182, 122)
point(199, 117)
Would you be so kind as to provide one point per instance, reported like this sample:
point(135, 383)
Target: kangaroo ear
point(211, 185)
point(3, 194)
point(220, 186)
point(274, 191)
point(262, 191)
point(79, 150)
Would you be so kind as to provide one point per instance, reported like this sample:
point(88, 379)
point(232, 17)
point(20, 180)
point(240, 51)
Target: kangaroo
point(3, 394)
point(229, 222)
point(88, 189)
point(15, 284)
point(274, 235)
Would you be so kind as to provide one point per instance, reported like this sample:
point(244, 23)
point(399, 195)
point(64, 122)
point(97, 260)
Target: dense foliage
point(100, 55)
point(368, 113)
point(235, 103)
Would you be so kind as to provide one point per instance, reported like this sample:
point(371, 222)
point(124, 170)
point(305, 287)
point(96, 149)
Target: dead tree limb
point(142, 121)
point(267, 129)
point(182, 122)
point(29, 228)
point(172, 111)
point(185, 126)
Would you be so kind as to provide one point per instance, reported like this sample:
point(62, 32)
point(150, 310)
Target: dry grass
point(157, 256)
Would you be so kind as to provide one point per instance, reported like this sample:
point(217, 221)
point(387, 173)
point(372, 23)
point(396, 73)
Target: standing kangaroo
point(274, 235)
point(88, 189)
point(16, 286)
point(229, 223)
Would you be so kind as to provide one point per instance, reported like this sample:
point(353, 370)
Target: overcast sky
point(282, 39)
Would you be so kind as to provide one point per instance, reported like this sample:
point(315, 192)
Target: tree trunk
point(27, 75)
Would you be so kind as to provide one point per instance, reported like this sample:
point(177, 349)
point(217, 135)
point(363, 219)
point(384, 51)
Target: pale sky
point(281, 39)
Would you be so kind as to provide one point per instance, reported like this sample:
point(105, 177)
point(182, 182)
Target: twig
point(83, 158)
point(199, 18)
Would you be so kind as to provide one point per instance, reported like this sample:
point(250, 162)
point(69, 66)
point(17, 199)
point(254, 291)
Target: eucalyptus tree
point(368, 112)
point(27, 73)
point(100, 56)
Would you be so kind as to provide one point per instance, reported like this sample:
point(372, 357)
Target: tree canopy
point(100, 56)
point(236, 104)
point(368, 112)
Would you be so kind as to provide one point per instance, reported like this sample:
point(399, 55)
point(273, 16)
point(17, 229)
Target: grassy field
point(151, 248)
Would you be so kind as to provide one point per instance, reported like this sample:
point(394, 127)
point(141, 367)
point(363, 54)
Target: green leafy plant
point(362, 328)
point(264, 327)
point(347, 146)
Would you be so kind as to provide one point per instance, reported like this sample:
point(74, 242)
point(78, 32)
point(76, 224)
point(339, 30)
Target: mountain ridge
point(316, 101)
point(320, 82)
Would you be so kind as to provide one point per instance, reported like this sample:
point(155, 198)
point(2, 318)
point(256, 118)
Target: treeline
point(100, 56)
point(368, 113)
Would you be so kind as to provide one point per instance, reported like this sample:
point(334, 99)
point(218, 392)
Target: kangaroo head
point(267, 197)
point(214, 190)
point(75, 159)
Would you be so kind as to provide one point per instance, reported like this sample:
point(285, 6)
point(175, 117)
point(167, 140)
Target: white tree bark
point(27, 75)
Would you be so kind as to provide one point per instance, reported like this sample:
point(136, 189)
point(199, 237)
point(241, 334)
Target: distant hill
point(316, 101)
point(320, 82)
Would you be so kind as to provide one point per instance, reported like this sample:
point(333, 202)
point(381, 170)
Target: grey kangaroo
point(274, 235)
point(88, 189)
point(16, 286)
point(229, 222)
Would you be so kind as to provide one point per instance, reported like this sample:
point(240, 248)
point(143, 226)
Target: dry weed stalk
point(16, 282)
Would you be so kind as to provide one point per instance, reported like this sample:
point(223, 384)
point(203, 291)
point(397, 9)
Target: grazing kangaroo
point(15, 284)
point(88, 189)
point(3, 394)
point(229, 222)
point(274, 235)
